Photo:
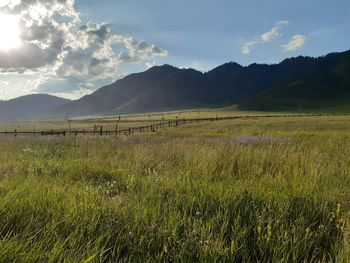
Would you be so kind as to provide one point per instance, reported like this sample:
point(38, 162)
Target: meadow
point(245, 190)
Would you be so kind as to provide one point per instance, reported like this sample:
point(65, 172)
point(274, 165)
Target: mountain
point(29, 107)
point(323, 82)
point(167, 88)
point(158, 87)
point(294, 84)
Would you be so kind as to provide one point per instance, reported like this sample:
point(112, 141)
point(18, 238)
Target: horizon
point(203, 72)
point(72, 48)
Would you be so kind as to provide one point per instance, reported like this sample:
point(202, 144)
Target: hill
point(156, 88)
point(295, 83)
point(325, 84)
point(29, 107)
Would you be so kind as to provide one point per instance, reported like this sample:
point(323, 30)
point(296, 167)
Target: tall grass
point(248, 191)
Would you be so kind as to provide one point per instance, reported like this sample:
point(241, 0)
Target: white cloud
point(202, 66)
point(272, 34)
point(57, 46)
point(4, 83)
point(295, 43)
point(151, 64)
point(282, 23)
point(265, 37)
point(247, 47)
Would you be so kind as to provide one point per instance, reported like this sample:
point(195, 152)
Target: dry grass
point(264, 190)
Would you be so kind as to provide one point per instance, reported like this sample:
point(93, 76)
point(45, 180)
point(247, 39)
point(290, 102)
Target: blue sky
point(70, 48)
point(207, 33)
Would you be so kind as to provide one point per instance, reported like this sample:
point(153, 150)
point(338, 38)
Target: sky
point(71, 48)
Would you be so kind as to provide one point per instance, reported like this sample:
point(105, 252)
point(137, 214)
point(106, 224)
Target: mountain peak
point(29, 106)
point(294, 83)
point(165, 67)
point(36, 96)
point(230, 66)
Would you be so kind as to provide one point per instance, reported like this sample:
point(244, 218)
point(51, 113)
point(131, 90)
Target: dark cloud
point(29, 56)
point(56, 45)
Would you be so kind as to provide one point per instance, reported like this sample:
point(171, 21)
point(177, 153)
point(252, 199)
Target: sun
point(9, 32)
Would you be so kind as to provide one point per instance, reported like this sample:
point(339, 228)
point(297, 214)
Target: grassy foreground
point(264, 190)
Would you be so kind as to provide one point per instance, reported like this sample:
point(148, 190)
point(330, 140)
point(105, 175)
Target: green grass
point(125, 121)
point(248, 190)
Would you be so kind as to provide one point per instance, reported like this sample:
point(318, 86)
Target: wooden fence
point(98, 129)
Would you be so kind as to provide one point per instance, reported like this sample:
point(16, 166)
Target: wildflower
point(338, 210)
point(307, 232)
point(28, 150)
point(269, 232)
point(259, 230)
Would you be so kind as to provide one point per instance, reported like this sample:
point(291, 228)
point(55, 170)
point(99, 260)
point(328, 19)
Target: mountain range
point(295, 84)
point(28, 107)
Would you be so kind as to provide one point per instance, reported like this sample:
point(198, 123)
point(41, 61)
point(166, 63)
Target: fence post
point(101, 130)
point(15, 132)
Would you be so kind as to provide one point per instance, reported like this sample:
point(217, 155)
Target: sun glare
point(9, 32)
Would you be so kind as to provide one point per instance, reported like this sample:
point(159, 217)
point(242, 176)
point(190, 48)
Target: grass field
point(134, 120)
point(245, 190)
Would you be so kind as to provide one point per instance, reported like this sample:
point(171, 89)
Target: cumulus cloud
point(265, 37)
point(57, 46)
point(151, 64)
point(295, 43)
point(272, 34)
point(4, 83)
point(247, 47)
point(282, 23)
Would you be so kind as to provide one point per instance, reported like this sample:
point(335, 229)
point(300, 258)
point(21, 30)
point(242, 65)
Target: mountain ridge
point(296, 83)
point(30, 106)
point(167, 87)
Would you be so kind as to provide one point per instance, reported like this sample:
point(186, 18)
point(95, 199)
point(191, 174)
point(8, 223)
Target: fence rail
point(98, 129)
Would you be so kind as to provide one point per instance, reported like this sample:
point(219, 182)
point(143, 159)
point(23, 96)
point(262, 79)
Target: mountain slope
point(326, 84)
point(158, 87)
point(297, 81)
point(294, 84)
point(29, 107)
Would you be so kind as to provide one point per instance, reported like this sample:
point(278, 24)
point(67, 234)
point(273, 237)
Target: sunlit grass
point(248, 190)
point(125, 121)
